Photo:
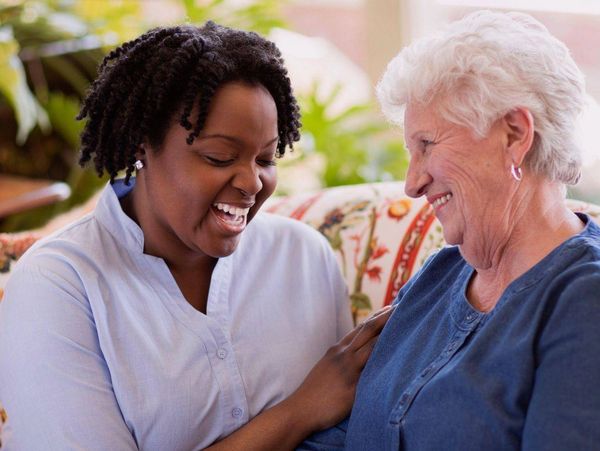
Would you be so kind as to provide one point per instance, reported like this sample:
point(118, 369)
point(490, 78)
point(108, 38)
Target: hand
point(327, 393)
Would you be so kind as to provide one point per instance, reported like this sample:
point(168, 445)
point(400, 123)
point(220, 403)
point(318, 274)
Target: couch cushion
point(380, 236)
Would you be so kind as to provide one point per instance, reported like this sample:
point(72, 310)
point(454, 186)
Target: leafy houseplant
point(355, 144)
point(49, 52)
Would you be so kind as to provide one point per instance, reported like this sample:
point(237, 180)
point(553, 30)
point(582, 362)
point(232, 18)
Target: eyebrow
point(233, 139)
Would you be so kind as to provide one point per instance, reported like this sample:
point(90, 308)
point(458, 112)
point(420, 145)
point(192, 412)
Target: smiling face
point(464, 178)
point(199, 198)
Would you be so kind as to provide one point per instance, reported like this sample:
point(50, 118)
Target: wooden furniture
point(18, 194)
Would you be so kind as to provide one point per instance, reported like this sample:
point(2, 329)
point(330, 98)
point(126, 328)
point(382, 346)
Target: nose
point(248, 180)
point(417, 178)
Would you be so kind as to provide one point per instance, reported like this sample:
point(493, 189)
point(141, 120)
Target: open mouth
point(441, 200)
point(233, 217)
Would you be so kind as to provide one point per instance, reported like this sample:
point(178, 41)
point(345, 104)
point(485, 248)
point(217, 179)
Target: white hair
point(485, 65)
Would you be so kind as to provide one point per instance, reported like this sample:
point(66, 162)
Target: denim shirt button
point(404, 398)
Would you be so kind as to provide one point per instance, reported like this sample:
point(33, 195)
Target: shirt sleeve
point(332, 439)
point(564, 410)
point(55, 384)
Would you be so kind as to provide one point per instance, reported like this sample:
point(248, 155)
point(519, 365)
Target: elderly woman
point(495, 343)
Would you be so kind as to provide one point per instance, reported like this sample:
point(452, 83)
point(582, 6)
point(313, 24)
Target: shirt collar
point(464, 314)
point(110, 214)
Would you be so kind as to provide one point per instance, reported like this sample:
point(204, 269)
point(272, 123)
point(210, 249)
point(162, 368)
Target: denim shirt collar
point(466, 317)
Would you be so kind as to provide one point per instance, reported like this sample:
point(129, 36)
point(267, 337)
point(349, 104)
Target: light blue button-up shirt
point(99, 350)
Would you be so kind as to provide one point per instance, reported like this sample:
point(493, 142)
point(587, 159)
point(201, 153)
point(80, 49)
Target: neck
point(159, 240)
point(191, 270)
point(536, 222)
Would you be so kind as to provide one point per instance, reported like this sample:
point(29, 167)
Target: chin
point(451, 237)
point(221, 251)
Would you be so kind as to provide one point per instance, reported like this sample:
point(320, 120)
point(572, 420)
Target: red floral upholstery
point(379, 235)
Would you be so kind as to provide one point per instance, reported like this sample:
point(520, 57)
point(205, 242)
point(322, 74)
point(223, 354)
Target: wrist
point(299, 415)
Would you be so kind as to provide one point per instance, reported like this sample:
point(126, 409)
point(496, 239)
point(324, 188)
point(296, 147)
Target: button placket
point(405, 401)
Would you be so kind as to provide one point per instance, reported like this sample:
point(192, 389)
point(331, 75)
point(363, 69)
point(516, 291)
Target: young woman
point(174, 314)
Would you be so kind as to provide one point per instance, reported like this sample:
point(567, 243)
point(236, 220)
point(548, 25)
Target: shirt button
point(221, 353)
point(404, 398)
point(236, 412)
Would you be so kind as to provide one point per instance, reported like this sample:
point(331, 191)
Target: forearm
point(282, 427)
point(323, 400)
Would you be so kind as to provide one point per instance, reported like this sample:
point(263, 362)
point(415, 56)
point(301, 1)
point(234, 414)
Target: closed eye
point(217, 162)
point(267, 159)
point(267, 162)
point(426, 144)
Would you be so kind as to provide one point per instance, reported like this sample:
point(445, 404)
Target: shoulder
point(577, 267)
point(570, 300)
point(579, 283)
point(49, 280)
point(279, 229)
point(68, 257)
point(286, 243)
point(74, 241)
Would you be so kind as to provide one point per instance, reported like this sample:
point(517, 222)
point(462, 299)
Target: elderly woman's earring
point(516, 172)
point(138, 164)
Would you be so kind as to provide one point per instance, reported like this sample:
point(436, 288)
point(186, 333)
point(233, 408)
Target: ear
point(520, 134)
point(140, 153)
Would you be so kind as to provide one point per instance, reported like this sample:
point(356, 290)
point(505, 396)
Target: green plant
point(260, 16)
point(356, 144)
point(49, 52)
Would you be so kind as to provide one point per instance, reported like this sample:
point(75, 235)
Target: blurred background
point(336, 50)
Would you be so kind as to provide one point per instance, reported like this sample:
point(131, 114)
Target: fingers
point(371, 328)
point(347, 339)
point(383, 310)
point(362, 355)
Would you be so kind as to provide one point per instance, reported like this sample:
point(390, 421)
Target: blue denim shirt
point(526, 375)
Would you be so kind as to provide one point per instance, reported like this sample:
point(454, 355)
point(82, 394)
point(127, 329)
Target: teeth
point(441, 200)
point(237, 212)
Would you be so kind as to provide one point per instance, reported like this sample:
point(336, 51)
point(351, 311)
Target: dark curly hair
point(144, 83)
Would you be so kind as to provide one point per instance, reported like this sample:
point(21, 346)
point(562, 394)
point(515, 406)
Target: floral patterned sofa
point(380, 236)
